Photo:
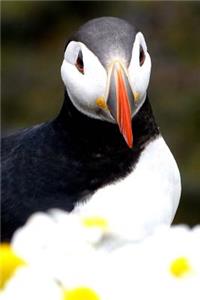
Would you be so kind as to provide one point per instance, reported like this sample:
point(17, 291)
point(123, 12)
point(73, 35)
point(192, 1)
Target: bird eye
point(79, 62)
point(142, 56)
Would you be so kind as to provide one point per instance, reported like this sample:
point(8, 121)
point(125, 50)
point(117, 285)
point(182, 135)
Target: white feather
point(146, 198)
point(139, 75)
point(83, 89)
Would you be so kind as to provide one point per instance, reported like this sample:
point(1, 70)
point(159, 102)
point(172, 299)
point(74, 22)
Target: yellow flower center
point(180, 267)
point(95, 222)
point(9, 262)
point(80, 293)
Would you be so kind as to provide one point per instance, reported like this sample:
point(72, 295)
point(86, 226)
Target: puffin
point(103, 152)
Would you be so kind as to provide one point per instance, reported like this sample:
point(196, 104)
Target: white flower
point(64, 246)
point(44, 234)
point(84, 229)
point(85, 276)
point(84, 253)
point(164, 266)
point(63, 233)
point(72, 277)
point(30, 284)
point(177, 263)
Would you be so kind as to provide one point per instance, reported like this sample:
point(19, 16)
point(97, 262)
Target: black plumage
point(58, 163)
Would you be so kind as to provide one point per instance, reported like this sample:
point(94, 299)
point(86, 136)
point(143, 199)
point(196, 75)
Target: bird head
point(106, 71)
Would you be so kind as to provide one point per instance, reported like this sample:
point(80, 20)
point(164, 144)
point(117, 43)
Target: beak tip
point(130, 144)
point(128, 137)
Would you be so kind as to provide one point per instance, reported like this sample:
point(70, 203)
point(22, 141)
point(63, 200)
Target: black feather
point(64, 161)
point(58, 163)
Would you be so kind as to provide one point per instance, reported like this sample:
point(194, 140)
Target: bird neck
point(93, 136)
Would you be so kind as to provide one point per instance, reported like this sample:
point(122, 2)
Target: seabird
point(104, 150)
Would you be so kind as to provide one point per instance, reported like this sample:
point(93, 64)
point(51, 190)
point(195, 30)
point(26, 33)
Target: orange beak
point(121, 101)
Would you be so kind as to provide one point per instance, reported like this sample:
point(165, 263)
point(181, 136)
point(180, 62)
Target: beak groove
point(124, 110)
point(120, 101)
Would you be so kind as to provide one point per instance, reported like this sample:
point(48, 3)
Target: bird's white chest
point(144, 199)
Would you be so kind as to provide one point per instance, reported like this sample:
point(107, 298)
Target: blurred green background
point(33, 40)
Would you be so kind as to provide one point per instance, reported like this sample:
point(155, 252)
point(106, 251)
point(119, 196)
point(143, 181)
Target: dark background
point(33, 39)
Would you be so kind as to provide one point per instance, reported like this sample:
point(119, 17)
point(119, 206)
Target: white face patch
point(84, 88)
point(139, 68)
point(87, 81)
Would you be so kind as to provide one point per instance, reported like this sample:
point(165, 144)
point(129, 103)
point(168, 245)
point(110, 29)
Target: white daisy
point(164, 266)
point(31, 284)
